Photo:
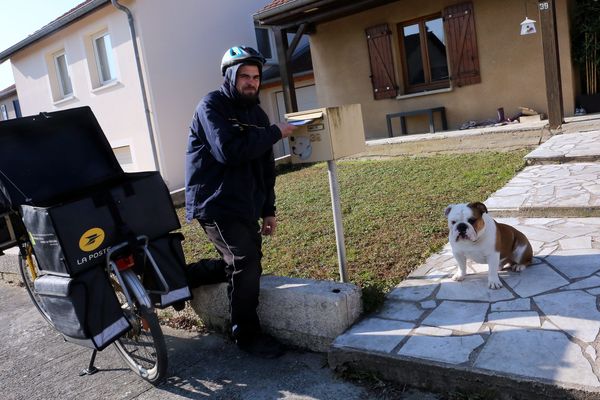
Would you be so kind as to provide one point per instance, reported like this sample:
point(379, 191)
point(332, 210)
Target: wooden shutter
point(459, 21)
point(383, 78)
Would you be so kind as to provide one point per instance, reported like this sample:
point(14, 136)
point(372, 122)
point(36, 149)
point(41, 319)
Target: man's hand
point(285, 128)
point(268, 226)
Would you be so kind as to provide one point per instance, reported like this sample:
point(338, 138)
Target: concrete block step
point(303, 312)
point(568, 147)
point(564, 190)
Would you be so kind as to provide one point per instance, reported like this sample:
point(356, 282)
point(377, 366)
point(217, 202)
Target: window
point(429, 60)
point(263, 42)
point(423, 54)
point(123, 154)
point(104, 58)
point(62, 75)
point(3, 112)
point(17, 108)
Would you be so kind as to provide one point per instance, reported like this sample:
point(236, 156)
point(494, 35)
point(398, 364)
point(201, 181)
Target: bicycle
point(93, 263)
point(143, 347)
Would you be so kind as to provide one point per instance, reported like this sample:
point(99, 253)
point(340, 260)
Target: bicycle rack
point(112, 267)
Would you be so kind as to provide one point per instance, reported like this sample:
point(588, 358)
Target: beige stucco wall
point(512, 70)
point(117, 107)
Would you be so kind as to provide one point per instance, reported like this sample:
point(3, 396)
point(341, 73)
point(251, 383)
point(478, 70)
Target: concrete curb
point(302, 312)
point(430, 375)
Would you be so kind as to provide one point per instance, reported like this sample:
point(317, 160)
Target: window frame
point(428, 84)
point(270, 43)
point(111, 64)
point(17, 108)
point(3, 112)
point(59, 77)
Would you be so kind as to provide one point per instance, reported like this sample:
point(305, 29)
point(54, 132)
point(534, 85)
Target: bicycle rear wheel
point(29, 271)
point(143, 347)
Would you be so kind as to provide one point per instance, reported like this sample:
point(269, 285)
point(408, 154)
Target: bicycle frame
point(130, 281)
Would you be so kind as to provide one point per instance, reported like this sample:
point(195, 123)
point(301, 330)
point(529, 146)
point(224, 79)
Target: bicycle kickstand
point(90, 370)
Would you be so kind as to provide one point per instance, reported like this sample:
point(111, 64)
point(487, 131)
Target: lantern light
point(528, 26)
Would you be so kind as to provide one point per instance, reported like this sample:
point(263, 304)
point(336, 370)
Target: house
point(272, 93)
point(407, 55)
point(143, 92)
point(9, 103)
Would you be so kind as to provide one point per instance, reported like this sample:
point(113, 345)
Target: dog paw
point(458, 276)
point(494, 284)
point(518, 267)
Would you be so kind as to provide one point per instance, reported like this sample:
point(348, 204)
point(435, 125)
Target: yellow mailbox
point(326, 134)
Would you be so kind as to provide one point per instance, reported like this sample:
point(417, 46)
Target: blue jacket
point(230, 169)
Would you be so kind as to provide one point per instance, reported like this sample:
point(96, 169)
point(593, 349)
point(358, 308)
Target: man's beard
point(249, 97)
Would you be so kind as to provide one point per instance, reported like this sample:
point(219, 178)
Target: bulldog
point(474, 234)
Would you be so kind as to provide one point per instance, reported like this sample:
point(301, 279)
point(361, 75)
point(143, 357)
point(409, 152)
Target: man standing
point(230, 179)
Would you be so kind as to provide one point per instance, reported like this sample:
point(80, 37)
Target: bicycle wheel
point(143, 347)
point(28, 275)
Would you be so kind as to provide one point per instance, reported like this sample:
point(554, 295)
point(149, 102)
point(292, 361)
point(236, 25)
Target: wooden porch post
point(551, 62)
point(285, 69)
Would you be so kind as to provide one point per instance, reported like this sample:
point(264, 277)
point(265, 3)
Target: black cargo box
point(52, 156)
point(74, 235)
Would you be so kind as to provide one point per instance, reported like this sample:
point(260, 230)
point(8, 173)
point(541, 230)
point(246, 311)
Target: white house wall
point(181, 44)
point(117, 107)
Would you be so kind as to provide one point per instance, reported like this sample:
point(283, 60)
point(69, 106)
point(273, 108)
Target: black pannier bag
point(84, 309)
point(168, 255)
point(75, 235)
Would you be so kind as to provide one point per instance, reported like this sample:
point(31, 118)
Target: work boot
point(205, 272)
point(178, 306)
point(261, 345)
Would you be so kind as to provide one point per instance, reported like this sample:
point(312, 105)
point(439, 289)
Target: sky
point(20, 18)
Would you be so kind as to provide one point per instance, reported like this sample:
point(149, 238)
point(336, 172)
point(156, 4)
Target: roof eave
point(295, 13)
point(52, 27)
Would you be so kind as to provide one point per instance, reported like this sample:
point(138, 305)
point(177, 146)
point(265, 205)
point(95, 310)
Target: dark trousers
point(239, 244)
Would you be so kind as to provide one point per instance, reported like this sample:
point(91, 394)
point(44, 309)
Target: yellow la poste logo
point(91, 239)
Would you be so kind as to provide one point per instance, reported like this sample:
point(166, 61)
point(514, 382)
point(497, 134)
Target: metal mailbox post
point(327, 134)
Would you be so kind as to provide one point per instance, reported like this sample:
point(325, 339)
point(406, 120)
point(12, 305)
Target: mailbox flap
point(304, 116)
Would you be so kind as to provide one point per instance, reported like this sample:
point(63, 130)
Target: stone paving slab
point(564, 190)
point(541, 328)
point(580, 146)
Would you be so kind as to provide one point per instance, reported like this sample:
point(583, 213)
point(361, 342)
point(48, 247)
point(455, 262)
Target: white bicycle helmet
point(241, 54)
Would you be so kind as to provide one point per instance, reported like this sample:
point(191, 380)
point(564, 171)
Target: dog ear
point(479, 206)
point(448, 209)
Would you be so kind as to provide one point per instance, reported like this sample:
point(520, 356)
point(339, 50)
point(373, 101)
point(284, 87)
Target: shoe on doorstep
point(262, 345)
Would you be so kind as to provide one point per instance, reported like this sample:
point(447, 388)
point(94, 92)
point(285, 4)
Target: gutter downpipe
point(141, 77)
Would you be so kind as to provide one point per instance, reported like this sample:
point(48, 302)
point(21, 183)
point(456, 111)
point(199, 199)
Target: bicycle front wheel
point(28, 268)
point(143, 347)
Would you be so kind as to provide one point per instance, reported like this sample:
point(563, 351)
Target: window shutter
point(383, 78)
point(462, 44)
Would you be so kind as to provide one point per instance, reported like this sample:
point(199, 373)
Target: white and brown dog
point(475, 235)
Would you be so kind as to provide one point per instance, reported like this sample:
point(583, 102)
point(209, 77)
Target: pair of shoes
point(261, 345)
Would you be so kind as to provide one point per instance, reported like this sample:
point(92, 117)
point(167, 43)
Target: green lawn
point(393, 216)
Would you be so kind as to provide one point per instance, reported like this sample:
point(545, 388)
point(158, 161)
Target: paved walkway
point(537, 337)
